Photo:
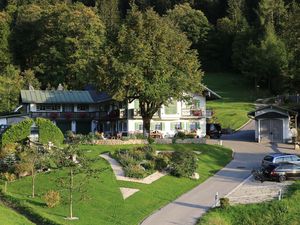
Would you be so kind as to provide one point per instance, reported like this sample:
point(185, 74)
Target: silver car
point(276, 158)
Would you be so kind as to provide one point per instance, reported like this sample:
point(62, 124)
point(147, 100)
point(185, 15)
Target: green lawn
point(272, 213)
point(10, 217)
point(106, 205)
point(237, 97)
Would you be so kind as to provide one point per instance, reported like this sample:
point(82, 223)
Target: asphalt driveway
point(189, 207)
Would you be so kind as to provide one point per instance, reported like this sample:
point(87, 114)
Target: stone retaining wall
point(144, 141)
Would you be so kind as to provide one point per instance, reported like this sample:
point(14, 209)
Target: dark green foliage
point(49, 132)
point(162, 161)
point(134, 171)
point(17, 132)
point(224, 203)
point(183, 163)
point(150, 61)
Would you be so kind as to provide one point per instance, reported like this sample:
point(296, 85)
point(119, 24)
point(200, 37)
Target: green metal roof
point(38, 96)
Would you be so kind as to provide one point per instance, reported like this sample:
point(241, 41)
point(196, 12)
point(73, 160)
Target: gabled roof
point(38, 96)
point(209, 94)
point(275, 108)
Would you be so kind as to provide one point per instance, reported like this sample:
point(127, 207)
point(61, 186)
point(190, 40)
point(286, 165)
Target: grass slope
point(272, 213)
point(10, 217)
point(106, 205)
point(237, 97)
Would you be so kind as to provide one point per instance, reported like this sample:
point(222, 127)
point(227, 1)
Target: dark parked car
point(213, 130)
point(282, 171)
point(276, 158)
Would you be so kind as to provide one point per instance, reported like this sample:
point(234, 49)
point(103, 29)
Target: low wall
point(120, 142)
point(144, 141)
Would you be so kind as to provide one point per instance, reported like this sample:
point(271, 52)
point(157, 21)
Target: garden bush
point(224, 203)
point(17, 132)
point(134, 171)
point(183, 163)
point(161, 162)
point(52, 198)
point(49, 132)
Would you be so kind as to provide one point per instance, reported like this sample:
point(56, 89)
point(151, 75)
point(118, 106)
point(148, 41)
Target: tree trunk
point(33, 182)
point(146, 126)
point(71, 193)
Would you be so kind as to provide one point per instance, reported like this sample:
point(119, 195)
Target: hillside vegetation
point(237, 98)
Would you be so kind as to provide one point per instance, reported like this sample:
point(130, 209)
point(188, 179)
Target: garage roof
point(38, 96)
point(276, 110)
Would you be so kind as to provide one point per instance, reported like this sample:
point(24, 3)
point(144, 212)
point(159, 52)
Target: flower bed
point(143, 161)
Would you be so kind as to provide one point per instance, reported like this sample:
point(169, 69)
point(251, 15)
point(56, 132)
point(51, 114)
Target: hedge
point(49, 132)
point(17, 132)
point(20, 131)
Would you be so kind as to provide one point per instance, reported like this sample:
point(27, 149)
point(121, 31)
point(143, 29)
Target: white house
point(89, 111)
point(116, 117)
point(273, 124)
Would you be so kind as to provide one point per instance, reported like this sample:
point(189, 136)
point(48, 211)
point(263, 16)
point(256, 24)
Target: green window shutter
point(136, 104)
point(171, 108)
point(152, 126)
point(181, 125)
point(197, 104)
point(197, 125)
point(162, 126)
point(188, 126)
point(136, 126)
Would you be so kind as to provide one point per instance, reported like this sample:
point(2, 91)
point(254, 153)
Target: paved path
point(189, 207)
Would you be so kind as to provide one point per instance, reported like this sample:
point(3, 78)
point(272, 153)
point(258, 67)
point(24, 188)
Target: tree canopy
point(151, 61)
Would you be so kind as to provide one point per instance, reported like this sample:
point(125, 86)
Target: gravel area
point(253, 191)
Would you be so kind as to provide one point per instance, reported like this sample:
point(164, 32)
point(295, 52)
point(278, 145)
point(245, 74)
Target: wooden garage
point(273, 124)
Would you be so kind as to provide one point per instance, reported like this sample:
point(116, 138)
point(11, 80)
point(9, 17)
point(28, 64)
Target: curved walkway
point(190, 206)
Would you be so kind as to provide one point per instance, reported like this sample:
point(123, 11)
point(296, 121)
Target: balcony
point(66, 115)
point(113, 114)
point(192, 113)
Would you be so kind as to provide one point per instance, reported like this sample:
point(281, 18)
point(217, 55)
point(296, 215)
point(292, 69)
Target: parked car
point(282, 171)
point(213, 130)
point(276, 158)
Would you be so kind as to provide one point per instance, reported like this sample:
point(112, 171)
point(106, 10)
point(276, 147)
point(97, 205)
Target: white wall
point(3, 121)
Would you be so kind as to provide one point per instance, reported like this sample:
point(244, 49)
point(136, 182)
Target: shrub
point(134, 171)
point(180, 134)
point(224, 203)
point(161, 162)
point(17, 132)
point(183, 163)
point(151, 140)
point(52, 198)
point(148, 165)
point(49, 132)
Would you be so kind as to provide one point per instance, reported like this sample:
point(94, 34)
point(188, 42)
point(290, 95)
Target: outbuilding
point(274, 124)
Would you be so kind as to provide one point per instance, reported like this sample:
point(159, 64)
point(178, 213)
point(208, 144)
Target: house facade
point(89, 111)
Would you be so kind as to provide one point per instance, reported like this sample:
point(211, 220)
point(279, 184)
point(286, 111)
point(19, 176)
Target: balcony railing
point(192, 113)
point(66, 115)
point(113, 114)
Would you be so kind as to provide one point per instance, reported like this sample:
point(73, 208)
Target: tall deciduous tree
point(191, 21)
point(10, 84)
point(291, 37)
point(5, 55)
point(108, 11)
point(151, 61)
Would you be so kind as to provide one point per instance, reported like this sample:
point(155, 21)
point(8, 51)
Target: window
point(158, 126)
point(196, 104)
point(47, 107)
point(171, 108)
point(138, 126)
point(136, 104)
point(68, 108)
point(176, 126)
point(82, 107)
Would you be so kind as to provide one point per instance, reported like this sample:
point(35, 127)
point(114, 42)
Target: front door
point(271, 130)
